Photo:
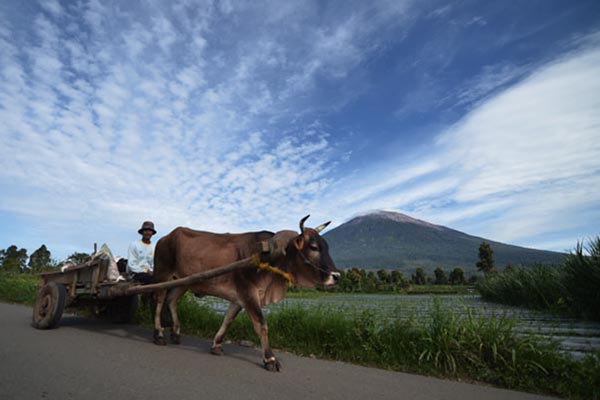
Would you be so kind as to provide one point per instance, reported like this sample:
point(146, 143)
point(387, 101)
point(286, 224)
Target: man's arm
point(133, 262)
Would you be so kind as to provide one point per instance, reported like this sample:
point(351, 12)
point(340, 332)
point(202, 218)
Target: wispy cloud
point(216, 115)
point(520, 167)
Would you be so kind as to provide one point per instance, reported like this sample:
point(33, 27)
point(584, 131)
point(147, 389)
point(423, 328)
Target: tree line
point(382, 280)
point(15, 259)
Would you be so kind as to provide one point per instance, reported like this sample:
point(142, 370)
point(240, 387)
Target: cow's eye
point(313, 247)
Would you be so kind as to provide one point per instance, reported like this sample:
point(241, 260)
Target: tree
point(397, 278)
point(40, 259)
point(354, 279)
point(370, 284)
point(14, 259)
point(486, 258)
point(457, 276)
point(419, 277)
point(383, 276)
point(79, 258)
point(440, 276)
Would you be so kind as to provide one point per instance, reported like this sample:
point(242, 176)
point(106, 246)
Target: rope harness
point(310, 263)
point(265, 266)
point(261, 263)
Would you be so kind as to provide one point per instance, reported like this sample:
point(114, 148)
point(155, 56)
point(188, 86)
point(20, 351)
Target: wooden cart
point(87, 285)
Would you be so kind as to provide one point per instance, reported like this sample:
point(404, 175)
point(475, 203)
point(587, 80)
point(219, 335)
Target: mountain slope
point(392, 240)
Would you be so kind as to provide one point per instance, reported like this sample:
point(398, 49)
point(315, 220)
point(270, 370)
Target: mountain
point(392, 240)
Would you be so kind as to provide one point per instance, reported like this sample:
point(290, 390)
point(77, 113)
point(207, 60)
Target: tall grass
point(539, 287)
point(581, 279)
point(573, 287)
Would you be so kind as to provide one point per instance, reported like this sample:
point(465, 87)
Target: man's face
point(147, 234)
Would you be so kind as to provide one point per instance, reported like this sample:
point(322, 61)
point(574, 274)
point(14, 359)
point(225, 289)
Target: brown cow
point(184, 251)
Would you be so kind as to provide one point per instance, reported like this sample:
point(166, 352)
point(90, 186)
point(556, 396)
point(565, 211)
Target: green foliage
point(573, 287)
point(486, 258)
point(79, 258)
point(419, 277)
point(18, 288)
point(14, 259)
point(581, 280)
point(440, 276)
point(537, 287)
point(457, 276)
point(40, 259)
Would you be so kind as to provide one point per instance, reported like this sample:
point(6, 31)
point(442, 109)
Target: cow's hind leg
point(159, 337)
point(172, 299)
point(260, 327)
point(232, 312)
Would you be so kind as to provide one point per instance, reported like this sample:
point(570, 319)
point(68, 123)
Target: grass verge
point(18, 287)
point(441, 344)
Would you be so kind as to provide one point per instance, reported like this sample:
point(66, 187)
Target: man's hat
point(147, 225)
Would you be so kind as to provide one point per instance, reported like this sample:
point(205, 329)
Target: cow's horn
point(302, 223)
point(322, 226)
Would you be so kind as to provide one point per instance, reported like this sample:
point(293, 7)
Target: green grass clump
point(18, 287)
point(572, 288)
point(538, 287)
point(581, 279)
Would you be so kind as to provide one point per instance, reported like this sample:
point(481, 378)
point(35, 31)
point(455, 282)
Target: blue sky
point(236, 116)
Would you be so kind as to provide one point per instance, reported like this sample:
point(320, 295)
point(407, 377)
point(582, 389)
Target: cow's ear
point(299, 242)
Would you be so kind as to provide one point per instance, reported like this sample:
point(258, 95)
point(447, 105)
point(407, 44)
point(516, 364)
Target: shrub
point(582, 280)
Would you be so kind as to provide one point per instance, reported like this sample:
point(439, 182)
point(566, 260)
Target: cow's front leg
point(232, 312)
point(159, 337)
point(260, 327)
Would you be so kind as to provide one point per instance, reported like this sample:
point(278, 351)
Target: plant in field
point(486, 258)
point(582, 280)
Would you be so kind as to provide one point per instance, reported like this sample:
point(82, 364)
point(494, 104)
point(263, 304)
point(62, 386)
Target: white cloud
point(189, 115)
point(98, 134)
point(522, 166)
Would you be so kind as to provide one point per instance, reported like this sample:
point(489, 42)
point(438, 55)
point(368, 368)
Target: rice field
point(574, 336)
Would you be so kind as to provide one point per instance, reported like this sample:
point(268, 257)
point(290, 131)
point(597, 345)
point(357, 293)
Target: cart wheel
point(49, 306)
point(122, 309)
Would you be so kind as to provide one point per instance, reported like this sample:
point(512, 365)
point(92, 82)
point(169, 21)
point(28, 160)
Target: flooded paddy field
point(574, 336)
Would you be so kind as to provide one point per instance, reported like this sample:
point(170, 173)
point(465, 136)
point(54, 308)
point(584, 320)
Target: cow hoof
point(217, 350)
point(175, 338)
point(272, 365)
point(159, 340)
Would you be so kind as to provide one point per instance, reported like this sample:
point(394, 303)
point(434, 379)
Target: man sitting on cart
point(140, 259)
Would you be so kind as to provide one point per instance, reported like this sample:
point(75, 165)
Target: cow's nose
point(336, 276)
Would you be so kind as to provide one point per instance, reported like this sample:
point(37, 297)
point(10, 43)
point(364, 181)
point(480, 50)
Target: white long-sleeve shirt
point(140, 257)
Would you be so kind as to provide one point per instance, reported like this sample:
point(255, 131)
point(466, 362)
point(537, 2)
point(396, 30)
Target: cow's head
point(306, 256)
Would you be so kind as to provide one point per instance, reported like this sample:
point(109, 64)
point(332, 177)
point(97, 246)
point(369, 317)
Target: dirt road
point(88, 359)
